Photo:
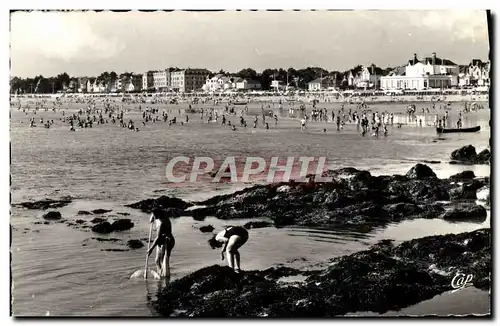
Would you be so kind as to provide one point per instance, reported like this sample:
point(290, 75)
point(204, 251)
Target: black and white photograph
point(250, 163)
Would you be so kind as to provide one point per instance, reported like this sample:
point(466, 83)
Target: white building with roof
point(431, 72)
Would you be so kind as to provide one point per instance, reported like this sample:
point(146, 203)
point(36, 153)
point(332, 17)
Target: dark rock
point(124, 214)
point(101, 211)
point(165, 201)
point(78, 221)
point(106, 239)
point(353, 198)
point(84, 213)
point(122, 224)
point(52, 215)
point(464, 175)
point(257, 224)
point(135, 244)
point(463, 192)
point(46, 222)
point(420, 171)
point(102, 227)
point(466, 212)
point(484, 157)
point(45, 204)
point(98, 220)
point(115, 250)
point(385, 277)
point(207, 228)
point(466, 153)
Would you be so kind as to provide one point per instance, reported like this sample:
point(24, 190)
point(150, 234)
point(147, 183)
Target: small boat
point(445, 131)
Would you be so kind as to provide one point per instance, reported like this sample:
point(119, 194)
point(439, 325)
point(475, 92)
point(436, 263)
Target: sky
point(89, 43)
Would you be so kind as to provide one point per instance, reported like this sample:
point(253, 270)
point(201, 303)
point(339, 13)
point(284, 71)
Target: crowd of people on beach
point(114, 111)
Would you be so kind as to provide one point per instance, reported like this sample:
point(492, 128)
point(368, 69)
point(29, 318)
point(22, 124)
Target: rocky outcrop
point(52, 215)
point(385, 277)
point(135, 244)
point(100, 211)
point(420, 171)
point(45, 204)
point(165, 201)
point(118, 225)
point(84, 213)
point(464, 175)
point(102, 227)
point(98, 220)
point(352, 197)
point(466, 212)
point(122, 224)
point(467, 189)
point(206, 228)
point(468, 155)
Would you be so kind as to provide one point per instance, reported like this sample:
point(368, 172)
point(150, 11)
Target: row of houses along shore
point(417, 74)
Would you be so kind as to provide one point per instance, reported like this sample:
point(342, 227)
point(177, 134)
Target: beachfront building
point(72, 87)
point(479, 73)
point(370, 77)
point(162, 80)
point(247, 84)
point(189, 80)
point(323, 83)
point(132, 83)
point(431, 72)
point(278, 85)
point(217, 83)
point(82, 85)
point(354, 76)
point(147, 81)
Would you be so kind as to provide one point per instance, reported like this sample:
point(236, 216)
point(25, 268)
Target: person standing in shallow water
point(233, 237)
point(164, 241)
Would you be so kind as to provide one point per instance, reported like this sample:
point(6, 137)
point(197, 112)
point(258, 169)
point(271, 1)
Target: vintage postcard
point(238, 163)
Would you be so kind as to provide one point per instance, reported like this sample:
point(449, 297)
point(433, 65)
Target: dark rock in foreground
point(102, 227)
point(106, 239)
point(79, 221)
point(45, 204)
point(84, 213)
point(165, 201)
point(122, 224)
point(420, 171)
point(468, 155)
point(257, 224)
point(98, 220)
point(466, 212)
point(101, 211)
point(382, 278)
point(135, 244)
point(464, 175)
point(207, 228)
point(52, 215)
point(118, 225)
